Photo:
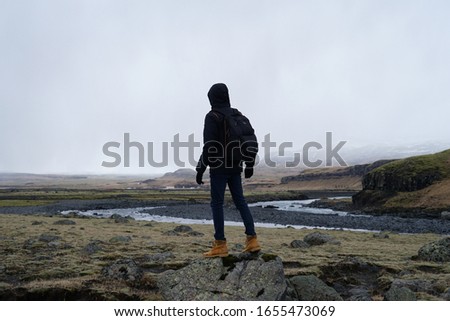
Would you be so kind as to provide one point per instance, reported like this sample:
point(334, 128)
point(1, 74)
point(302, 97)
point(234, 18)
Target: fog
point(75, 75)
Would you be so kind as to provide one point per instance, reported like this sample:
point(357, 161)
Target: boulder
point(311, 288)
point(351, 273)
point(47, 238)
point(318, 238)
point(183, 229)
point(243, 277)
point(415, 285)
point(46, 241)
point(396, 293)
point(438, 251)
point(159, 257)
point(299, 244)
point(93, 247)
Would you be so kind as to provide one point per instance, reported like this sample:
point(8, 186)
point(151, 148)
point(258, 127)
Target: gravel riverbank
point(270, 215)
point(262, 215)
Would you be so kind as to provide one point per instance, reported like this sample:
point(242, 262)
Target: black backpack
point(239, 132)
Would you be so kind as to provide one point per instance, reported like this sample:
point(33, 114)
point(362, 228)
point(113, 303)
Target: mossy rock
point(396, 293)
point(438, 251)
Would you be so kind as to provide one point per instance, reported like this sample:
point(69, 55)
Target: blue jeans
point(218, 185)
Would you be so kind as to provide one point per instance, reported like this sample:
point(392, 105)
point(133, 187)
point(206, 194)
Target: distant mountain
point(371, 153)
point(181, 173)
point(366, 154)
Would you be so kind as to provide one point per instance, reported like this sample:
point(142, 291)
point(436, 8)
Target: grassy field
point(40, 259)
point(34, 197)
point(41, 269)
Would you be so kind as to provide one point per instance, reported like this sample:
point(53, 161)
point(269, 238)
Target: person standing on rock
point(224, 170)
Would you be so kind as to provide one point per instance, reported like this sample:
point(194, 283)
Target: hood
point(218, 96)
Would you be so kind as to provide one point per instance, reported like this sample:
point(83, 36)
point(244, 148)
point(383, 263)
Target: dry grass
point(38, 266)
point(349, 183)
point(434, 196)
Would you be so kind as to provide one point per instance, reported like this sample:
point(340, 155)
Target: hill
point(420, 182)
point(332, 178)
point(181, 178)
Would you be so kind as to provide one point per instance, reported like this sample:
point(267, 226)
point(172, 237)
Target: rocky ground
point(52, 257)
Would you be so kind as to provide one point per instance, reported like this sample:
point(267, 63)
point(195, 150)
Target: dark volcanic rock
point(251, 278)
point(396, 293)
point(414, 285)
point(93, 247)
point(351, 273)
point(311, 288)
point(400, 179)
point(371, 197)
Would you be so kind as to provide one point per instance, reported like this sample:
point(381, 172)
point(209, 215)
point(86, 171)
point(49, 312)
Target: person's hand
point(248, 172)
point(199, 178)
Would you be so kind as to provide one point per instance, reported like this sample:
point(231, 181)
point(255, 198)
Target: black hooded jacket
point(215, 148)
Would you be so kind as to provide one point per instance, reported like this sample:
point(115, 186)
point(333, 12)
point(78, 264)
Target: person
point(224, 170)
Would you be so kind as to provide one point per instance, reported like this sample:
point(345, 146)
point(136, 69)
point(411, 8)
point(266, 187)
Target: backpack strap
point(216, 114)
point(222, 121)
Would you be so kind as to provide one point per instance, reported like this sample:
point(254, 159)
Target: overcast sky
point(75, 75)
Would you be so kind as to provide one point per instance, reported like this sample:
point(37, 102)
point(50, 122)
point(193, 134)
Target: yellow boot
point(252, 244)
point(219, 249)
